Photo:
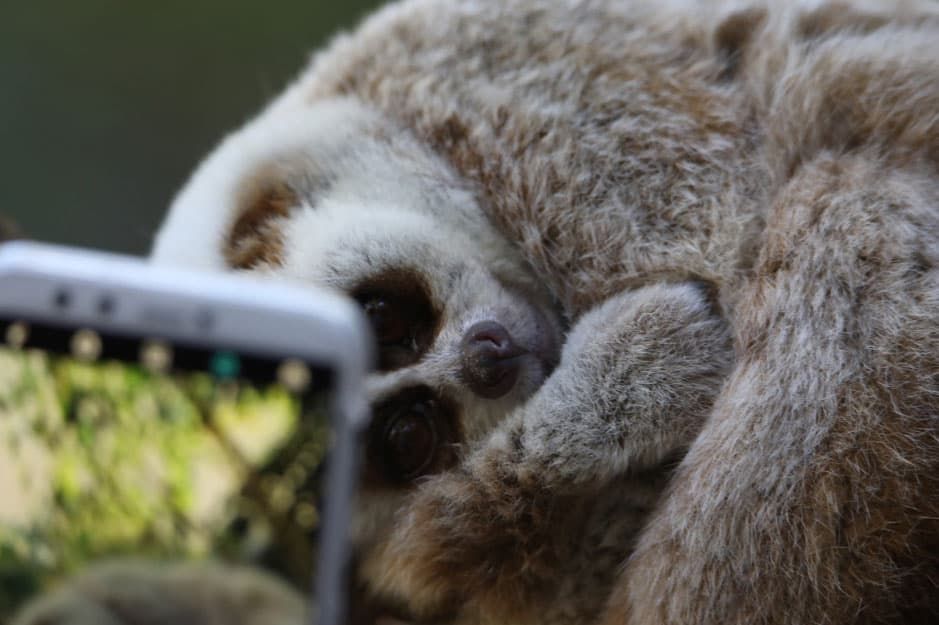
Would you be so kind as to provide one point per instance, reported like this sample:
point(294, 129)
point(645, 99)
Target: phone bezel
point(233, 311)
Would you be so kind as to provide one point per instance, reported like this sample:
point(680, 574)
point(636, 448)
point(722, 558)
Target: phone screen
point(115, 446)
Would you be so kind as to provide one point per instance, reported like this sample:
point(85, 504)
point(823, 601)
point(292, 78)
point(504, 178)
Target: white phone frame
point(128, 296)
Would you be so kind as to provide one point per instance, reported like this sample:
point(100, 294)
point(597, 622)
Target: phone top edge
point(128, 295)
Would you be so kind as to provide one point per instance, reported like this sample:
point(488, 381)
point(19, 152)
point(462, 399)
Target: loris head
point(333, 194)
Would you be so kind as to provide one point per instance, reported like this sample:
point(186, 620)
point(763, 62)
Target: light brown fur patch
point(256, 238)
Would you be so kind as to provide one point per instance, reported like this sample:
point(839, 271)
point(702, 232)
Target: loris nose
point(491, 359)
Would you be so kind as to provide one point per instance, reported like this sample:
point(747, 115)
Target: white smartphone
point(159, 413)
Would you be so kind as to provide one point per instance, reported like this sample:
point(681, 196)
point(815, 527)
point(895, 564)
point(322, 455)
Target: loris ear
point(734, 34)
point(256, 236)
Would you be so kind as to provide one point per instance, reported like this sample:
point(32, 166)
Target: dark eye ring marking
point(402, 316)
point(414, 434)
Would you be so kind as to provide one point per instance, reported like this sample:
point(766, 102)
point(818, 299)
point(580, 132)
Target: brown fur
point(831, 514)
point(788, 158)
point(256, 237)
point(524, 156)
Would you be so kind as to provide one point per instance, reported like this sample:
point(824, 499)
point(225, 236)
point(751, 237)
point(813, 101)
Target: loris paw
point(637, 377)
point(474, 534)
point(648, 315)
point(145, 593)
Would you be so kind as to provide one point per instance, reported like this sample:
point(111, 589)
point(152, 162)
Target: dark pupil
point(387, 321)
point(410, 442)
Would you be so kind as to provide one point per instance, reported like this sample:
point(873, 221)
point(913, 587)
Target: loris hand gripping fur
point(593, 236)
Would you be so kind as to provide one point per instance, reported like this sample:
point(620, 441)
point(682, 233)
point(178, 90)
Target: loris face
point(332, 195)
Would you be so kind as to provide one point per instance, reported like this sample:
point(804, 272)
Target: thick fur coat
point(728, 216)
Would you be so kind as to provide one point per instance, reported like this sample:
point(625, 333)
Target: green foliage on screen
point(105, 460)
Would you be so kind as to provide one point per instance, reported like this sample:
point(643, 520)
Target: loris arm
point(636, 379)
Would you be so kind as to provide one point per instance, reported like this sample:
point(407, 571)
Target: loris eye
point(410, 440)
point(402, 317)
point(388, 321)
point(398, 330)
point(412, 434)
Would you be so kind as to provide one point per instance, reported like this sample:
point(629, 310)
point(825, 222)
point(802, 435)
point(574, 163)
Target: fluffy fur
point(728, 215)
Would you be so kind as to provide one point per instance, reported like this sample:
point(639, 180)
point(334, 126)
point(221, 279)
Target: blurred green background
point(109, 459)
point(107, 105)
